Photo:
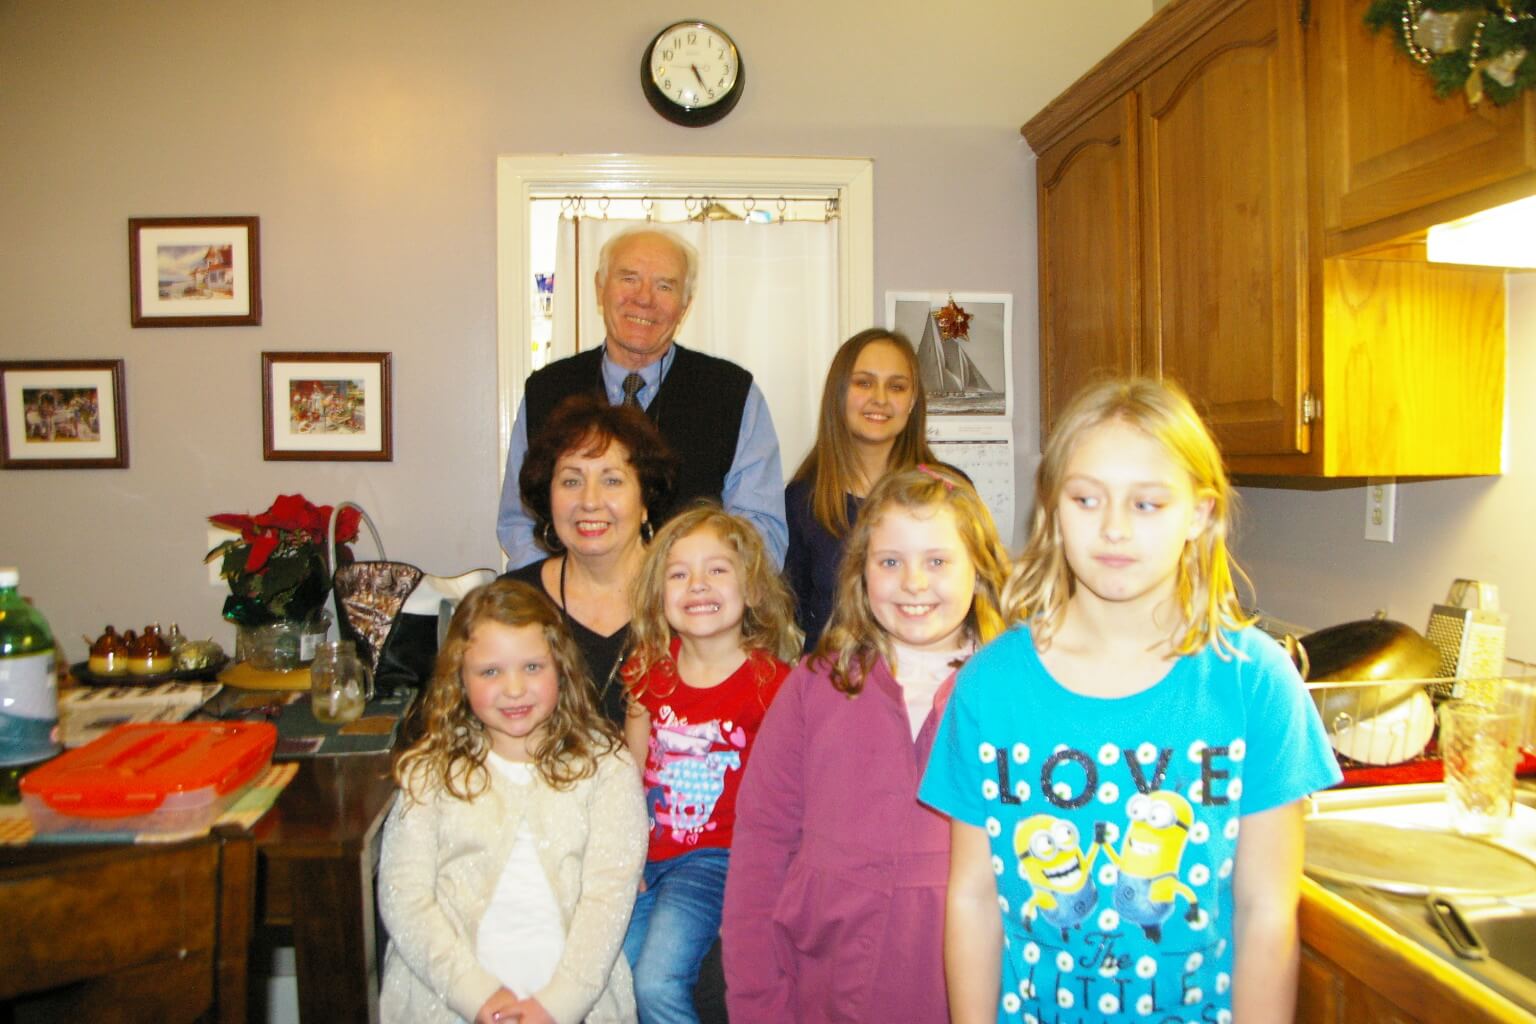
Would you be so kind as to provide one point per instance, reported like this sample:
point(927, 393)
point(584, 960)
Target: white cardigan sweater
point(440, 863)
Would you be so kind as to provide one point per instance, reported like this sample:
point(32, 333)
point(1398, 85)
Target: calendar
point(989, 464)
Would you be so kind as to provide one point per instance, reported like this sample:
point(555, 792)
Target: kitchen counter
point(1374, 957)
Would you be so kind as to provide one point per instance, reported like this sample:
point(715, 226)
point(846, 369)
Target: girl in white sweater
point(511, 859)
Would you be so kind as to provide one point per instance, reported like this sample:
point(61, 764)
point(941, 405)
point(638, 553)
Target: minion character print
point(1109, 849)
point(1051, 860)
point(1148, 861)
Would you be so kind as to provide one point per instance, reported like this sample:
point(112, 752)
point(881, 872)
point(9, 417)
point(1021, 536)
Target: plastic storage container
point(149, 778)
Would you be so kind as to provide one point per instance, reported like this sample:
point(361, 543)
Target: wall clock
point(692, 73)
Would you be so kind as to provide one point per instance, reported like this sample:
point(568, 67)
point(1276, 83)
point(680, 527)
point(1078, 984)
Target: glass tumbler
point(1479, 745)
point(340, 685)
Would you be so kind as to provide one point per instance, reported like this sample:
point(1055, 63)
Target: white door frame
point(520, 177)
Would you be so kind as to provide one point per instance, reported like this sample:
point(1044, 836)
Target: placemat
point(299, 734)
point(16, 825)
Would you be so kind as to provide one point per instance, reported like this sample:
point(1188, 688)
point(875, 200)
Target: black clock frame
point(690, 117)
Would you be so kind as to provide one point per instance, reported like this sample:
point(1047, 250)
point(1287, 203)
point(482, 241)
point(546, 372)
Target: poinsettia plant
point(277, 567)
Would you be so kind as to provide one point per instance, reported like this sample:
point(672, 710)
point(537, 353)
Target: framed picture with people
point(326, 407)
point(63, 414)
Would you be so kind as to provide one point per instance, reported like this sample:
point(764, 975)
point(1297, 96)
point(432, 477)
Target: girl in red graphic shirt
point(712, 630)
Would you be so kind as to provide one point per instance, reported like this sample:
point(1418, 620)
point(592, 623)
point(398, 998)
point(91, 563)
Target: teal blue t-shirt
point(1114, 822)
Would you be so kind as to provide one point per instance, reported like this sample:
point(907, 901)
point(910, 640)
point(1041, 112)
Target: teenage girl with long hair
point(873, 419)
point(834, 905)
point(510, 861)
point(1125, 768)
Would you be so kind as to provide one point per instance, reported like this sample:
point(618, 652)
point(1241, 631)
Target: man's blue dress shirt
point(754, 487)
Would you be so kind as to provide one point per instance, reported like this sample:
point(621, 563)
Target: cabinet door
point(1089, 232)
point(1224, 147)
point(1388, 144)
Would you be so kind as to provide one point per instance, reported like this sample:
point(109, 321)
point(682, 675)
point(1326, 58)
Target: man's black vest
point(698, 411)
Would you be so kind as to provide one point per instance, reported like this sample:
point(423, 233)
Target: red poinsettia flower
point(278, 567)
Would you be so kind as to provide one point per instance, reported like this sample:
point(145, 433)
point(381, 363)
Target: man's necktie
point(632, 385)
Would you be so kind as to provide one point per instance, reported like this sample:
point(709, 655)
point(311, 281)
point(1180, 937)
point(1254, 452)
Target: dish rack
point(1378, 726)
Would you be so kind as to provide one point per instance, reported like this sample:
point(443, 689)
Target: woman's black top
point(602, 652)
point(812, 561)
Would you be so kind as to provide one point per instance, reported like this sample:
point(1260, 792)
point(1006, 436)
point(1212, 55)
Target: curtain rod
point(697, 205)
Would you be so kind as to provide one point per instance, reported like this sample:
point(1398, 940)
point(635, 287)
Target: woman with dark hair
point(596, 480)
point(873, 419)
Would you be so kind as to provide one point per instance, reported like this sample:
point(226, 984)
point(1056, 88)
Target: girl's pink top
point(834, 905)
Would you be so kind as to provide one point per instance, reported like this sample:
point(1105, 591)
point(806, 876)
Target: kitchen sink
point(1491, 937)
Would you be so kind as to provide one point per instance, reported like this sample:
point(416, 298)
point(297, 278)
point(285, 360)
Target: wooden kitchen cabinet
point(1224, 166)
point(1090, 254)
point(1391, 167)
point(1184, 173)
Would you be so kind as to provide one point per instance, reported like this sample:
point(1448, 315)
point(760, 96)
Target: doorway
point(522, 180)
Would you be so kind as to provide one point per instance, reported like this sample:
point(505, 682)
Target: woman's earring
point(647, 531)
point(549, 538)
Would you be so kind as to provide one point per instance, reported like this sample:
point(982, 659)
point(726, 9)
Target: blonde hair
point(767, 623)
point(1206, 586)
point(853, 637)
point(832, 466)
point(452, 752)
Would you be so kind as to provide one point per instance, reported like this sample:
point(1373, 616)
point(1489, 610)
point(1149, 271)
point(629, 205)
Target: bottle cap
point(9, 576)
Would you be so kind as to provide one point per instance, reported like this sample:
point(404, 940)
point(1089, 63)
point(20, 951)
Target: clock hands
point(696, 73)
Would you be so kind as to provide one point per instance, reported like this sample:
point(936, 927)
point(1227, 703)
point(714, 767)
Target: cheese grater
point(1468, 631)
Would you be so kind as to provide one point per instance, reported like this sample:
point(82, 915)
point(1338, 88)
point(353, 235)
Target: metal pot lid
point(1414, 861)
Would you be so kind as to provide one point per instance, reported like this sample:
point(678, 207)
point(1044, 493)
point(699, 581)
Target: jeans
point(676, 920)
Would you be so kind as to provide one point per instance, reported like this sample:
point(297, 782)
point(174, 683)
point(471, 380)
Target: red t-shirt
point(700, 742)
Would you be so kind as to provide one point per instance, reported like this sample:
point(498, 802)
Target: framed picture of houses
point(326, 407)
point(63, 414)
point(195, 271)
point(964, 343)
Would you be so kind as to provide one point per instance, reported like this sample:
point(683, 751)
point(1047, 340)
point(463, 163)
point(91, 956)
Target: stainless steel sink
point(1504, 925)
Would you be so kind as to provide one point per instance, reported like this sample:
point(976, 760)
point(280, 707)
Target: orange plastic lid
point(133, 768)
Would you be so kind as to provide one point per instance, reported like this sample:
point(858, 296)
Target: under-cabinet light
point(1504, 236)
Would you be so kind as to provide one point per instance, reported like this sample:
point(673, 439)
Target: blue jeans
point(675, 922)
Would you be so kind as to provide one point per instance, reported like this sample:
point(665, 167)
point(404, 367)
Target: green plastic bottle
point(29, 694)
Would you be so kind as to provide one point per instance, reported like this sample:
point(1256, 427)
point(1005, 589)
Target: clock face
point(692, 73)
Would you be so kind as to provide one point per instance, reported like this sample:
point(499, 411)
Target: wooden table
point(319, 849)
point(128, 933)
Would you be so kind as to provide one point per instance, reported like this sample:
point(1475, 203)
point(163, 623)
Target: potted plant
point(278, 572)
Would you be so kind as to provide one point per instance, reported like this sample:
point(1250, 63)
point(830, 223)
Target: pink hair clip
point(923, 467)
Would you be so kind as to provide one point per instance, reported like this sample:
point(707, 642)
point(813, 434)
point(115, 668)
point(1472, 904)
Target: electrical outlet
point(216, 536)
point(1380, 509)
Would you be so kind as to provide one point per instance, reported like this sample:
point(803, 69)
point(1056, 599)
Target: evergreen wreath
point(1483, 47)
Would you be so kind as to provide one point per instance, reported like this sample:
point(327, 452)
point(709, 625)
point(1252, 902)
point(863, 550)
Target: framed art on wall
point(194, 271)
point(326, 406)
point(63, 414)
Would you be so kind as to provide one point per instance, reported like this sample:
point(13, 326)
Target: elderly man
point(709, 409)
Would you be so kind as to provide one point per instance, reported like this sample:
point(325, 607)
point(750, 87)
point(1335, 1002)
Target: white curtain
point(766, 299)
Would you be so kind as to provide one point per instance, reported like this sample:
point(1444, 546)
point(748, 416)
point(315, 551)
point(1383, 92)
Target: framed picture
point(964, 348)
point(63, 415)
point(195, 271)
point(326, 406)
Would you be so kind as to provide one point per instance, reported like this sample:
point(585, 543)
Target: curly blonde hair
point(1206, 587)
point(853, 638)
point(767, 623)
point(452, 752)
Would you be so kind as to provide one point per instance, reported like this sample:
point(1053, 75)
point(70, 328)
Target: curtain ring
point(602, 206)
point(649, 206)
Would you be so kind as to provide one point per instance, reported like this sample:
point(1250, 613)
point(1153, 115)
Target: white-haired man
point(709, 409)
